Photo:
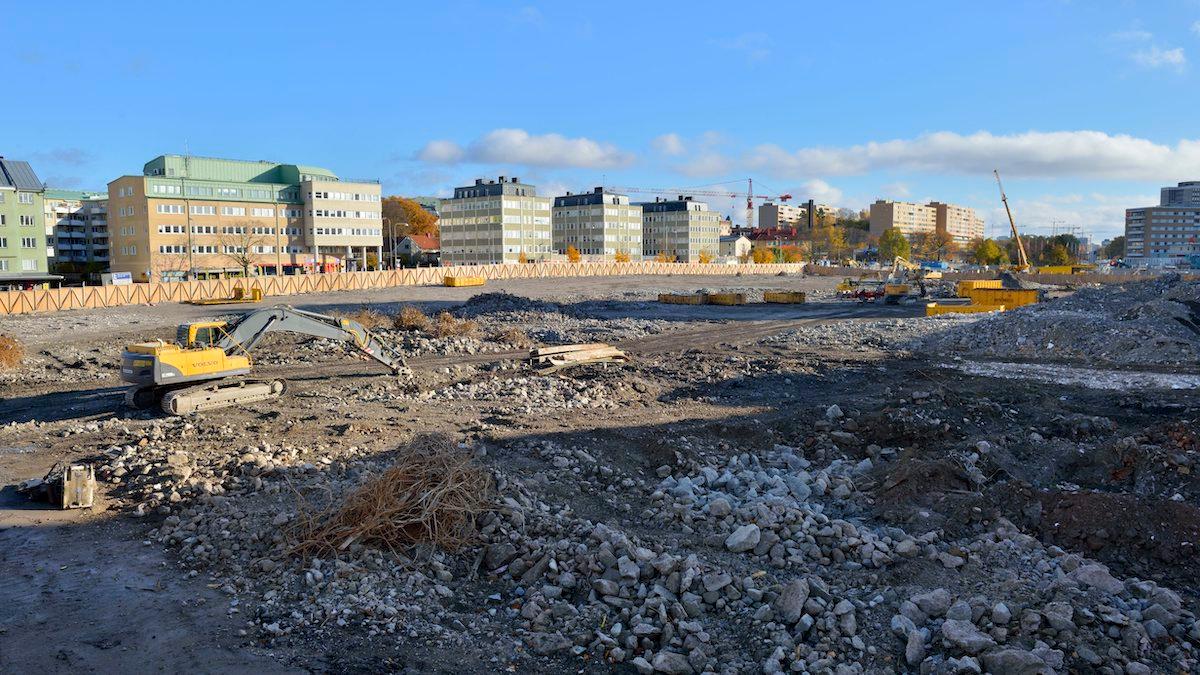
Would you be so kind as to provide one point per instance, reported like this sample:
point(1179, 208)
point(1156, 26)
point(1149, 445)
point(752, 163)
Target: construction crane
point(1022, 259)
point(204, 368)
point(728, 194)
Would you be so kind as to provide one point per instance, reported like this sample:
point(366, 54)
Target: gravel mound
point(1153, 323)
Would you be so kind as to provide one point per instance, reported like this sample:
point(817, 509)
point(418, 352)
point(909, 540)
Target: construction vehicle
point(205, 367)
point(1022, 259)
point(906, 281)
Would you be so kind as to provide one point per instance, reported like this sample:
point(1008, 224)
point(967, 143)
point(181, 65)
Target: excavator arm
point(248, 331)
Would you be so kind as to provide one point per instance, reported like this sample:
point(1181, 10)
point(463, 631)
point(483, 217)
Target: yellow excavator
point(906, 281)
point(205, 367)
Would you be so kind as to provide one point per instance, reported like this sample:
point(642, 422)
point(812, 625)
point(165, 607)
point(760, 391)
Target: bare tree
point(241, 246)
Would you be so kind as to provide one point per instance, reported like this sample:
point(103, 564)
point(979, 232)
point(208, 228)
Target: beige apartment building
point(959, 221)
point(495, 221)
point(598, 224)
point(197, 217)
point(680, 228)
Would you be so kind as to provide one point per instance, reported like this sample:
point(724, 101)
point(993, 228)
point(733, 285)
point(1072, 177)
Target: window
point(228, 192)
point(165, 189)
point(203, 210)
point(171, 208)
point(25, 197)
point(233, 210)
point(258, 194)
point(3, 242)
point(204, 248)
point(26, 220)
point(263, 213)
point(1, 215)
point(172, 229)
point(172, 249)
point(3, 265)
point(28, 242)
point(233, 230)
point(29, 265)
point(199, 191)
point(204, 229)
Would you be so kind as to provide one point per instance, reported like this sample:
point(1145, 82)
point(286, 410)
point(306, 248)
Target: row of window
point(23, 220)
point(351, 231)
point(343, 196)
point(203, 249)
point(26, 242)
point(205, 210)
point(338, 213)
point(27, 265)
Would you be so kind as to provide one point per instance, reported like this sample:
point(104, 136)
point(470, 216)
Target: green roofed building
point(205, 217)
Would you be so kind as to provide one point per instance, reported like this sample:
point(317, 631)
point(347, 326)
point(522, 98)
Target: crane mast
point(1022, 259)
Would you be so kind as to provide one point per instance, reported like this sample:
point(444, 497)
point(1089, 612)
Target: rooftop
point(18, 175)
point(234, 170)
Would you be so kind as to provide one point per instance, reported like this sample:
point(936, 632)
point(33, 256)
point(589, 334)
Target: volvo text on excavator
point(205, 367)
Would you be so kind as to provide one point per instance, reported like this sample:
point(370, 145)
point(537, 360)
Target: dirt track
point(704, 382)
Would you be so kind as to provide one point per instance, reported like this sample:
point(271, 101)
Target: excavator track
point(222, 394)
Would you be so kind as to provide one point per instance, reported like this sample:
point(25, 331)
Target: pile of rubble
point(1153, 323)
point(554, 323)
point(886, 335)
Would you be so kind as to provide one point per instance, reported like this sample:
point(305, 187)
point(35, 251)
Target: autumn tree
point(621, 256)
point(665, 257)
point(402, 217)
point(893, 244)
point(573, 254)
point(706, 257)
point(1057, 254)
point(988, 252)
point(239, 244)
point(762, 255)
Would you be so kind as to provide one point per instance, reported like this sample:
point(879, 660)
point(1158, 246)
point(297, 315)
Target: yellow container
point(465, 281)
point(680, 299)
point(784, 297)
point(1055, 269)
point(1009, 297)
point(725, 298)
point(972, 284)
point(896, 289)
point(934, 309)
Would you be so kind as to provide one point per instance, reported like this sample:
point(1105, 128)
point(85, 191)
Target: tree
point(791, 254)
point(942, 244)
point(522, 258)
point(403, 217)
point(1115, 248)
point(762, 255)
point(1057, 254)
point(239, 245)
point(706, 257)
point(573, 254)
point(893, 244)
point(665, 257)
point(621, 256)
point(988, 252)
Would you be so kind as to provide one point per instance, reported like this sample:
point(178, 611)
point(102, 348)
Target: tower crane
point(1022, 259)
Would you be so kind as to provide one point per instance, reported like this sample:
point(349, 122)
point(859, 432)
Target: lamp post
point(387, 226)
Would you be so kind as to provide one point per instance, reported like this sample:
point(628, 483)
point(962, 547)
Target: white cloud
point(441, 152)
point(1084, 154)
point(517, 146)
point(1100, 216)
point(706, 164)
point(1133, 35)
point(1155, 57)
point(755, 46)
point(900, 190)
point(668, 144)
point(819, 191)
point(1196, 27)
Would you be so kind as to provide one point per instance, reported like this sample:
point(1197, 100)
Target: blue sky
point(1085, 107)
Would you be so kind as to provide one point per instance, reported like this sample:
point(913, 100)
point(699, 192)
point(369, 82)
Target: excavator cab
point(200, 335)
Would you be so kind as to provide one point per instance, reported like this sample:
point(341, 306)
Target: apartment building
point(206, 217)
point(959, 222)
point(772, 215)
point(495, 221)
point(599, 224)
point(76, 230)
point(1167, 234)
point(679, 228)
point(22, 225)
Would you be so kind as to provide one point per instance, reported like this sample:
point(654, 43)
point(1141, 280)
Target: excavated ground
point(758, 489)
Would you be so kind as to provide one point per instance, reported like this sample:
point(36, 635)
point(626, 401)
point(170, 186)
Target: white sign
point(116, 278)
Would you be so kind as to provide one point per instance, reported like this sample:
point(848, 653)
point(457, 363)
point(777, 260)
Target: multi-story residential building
point(1167, 234)
point(911, 219)
point(22, 225)
point(598, 224)
point(495, 221)
point(204, 217)
point(959, 222)
point(679, 228)
point(76, 229)
point(772, 215)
